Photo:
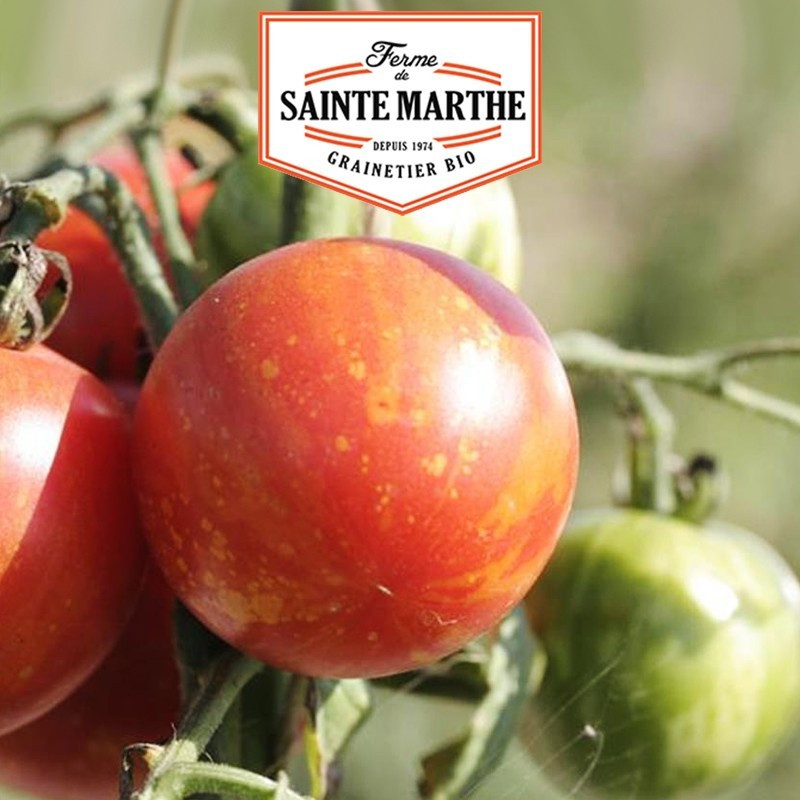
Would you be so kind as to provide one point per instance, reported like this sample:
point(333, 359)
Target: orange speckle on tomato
point(267, 608)
point(269, 368)
point(341, 443)
point(467, 452)
point(435, 465)
point(358, 369)
point(382, 404)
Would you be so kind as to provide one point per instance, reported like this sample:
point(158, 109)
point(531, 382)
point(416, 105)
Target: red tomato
point(353, 456)
point(102, 329)
point(73, 753)
point(71, 554)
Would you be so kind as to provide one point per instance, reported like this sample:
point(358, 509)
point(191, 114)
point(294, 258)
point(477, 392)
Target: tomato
point(479, 226)
point(102, 328)
point(73, 752)
point(244, 219)
point(354, 455)
point(244, 216)
point(71, 553)
point(673, 654)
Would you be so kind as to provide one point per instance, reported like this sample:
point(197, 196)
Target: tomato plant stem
point(225, 679)
point(183, 264)
point(53, 123)
point(35, 205)
point(121, 115)
point(184, 780)
point(212, 89)
point(335, 5)
point(706, 372)
point(230, 112)
point(150, 149)
point(173, 30)
point(651, 433)
point(699, 490)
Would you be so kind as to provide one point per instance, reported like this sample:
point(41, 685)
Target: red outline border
point(467, 68)
point(468, 75)
point(339, 135)
point(334, 75)
point(340, 142)
point(535, 19)
point(466, 135)
point(351, 65)
point(465, 142)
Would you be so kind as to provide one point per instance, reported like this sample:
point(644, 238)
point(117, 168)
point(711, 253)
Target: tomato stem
point(699, 488)
point(231, 112)
point(226, 678)
point(38, 204)
point(706, 372)
point(651, 432)
point(173, 32)
point(184, 266)
point(53, 123)
point(184, 780)
point(122, 114)
point(335, 5)
point(147, 140)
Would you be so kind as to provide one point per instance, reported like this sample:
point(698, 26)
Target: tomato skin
point(353, 456)
point(73, 752)
point(71, 552)
point(102, 328)
point(679, 645)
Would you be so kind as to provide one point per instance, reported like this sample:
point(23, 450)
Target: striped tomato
point(354, 455)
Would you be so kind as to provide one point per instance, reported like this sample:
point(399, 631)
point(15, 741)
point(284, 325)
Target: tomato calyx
point(656, 479)
point(35, 286)
point(699, 488)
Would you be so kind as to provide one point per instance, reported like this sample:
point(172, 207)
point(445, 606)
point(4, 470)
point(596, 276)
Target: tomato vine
point(31, 206)
point(28, 207)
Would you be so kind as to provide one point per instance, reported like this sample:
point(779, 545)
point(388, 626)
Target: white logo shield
point(400, 109)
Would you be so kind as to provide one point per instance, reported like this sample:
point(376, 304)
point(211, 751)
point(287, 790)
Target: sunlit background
point(666, 215)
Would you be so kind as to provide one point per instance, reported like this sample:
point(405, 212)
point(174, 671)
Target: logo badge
point(400, 109)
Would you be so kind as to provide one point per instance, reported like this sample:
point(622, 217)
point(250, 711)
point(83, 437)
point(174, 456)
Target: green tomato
point(244, 219)
point(479, 226)
point(673, 655)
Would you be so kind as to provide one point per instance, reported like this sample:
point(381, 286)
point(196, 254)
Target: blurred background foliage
point(665, 215)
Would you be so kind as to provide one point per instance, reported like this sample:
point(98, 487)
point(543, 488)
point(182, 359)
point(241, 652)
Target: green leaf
point(456, 768)
point(461, 676)
point(337, 709)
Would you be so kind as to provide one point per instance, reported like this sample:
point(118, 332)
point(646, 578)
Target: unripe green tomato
point(244, 219)
point(673, 655)
point(479, 226)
